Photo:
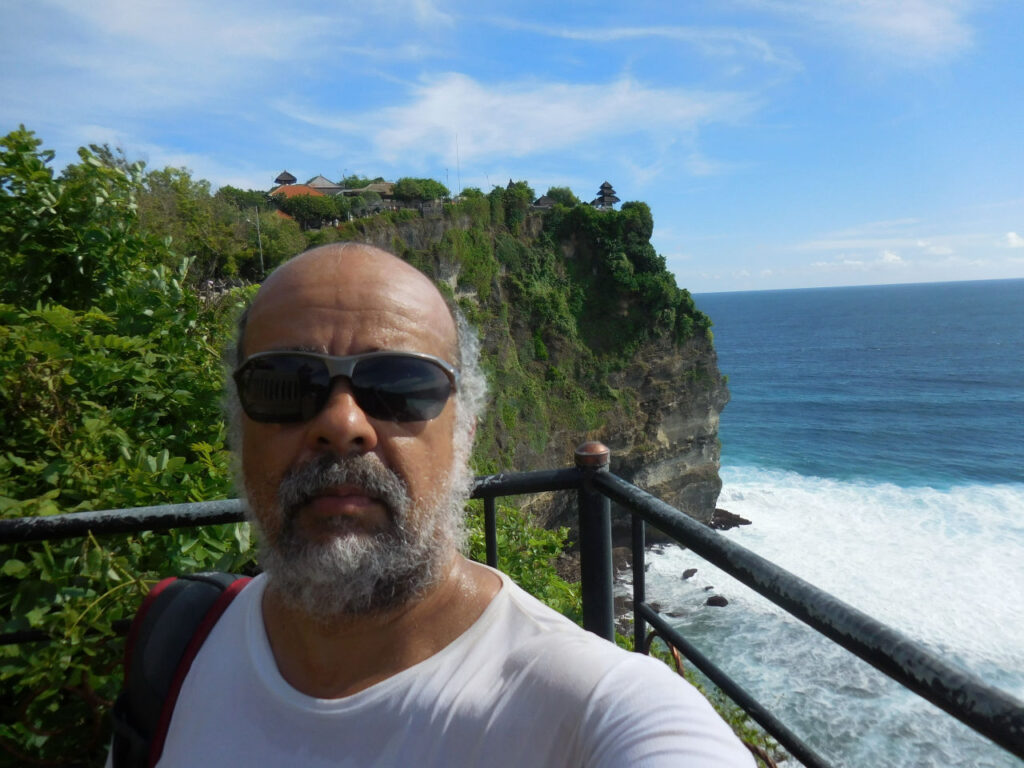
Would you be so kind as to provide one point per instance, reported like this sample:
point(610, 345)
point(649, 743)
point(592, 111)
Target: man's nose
point(342, 426)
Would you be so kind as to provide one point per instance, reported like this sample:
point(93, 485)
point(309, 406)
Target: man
point(369, 640)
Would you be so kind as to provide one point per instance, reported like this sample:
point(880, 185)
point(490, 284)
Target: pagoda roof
point(285, 178)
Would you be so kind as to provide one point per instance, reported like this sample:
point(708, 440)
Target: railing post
point(639, 583)
point(595, 544)
point(490, 532)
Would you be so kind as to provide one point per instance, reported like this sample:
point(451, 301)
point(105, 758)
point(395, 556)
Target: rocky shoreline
point(568, 565)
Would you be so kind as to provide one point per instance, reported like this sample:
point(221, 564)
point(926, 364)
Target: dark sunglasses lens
point(400, 388)
point(283, 388)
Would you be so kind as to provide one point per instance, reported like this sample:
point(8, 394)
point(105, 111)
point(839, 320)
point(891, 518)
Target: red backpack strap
point(166, 634)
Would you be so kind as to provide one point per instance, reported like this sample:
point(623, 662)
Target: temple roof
point(295, 190)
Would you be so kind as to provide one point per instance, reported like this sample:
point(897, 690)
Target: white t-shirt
point(522, 687)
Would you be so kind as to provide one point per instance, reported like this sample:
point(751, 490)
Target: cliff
point(585, 336)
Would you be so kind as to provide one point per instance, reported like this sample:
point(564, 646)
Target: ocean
point(875, 438)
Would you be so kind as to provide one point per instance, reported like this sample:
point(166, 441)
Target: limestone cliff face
point(671, 446)
point(668, 445)
point(663, 427)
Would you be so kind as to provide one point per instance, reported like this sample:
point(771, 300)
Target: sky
point(779, 143)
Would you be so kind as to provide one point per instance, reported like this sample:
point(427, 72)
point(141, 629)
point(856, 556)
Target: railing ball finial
point(592, 455)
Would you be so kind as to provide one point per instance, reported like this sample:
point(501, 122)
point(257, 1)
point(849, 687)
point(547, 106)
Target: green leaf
point(14, 568)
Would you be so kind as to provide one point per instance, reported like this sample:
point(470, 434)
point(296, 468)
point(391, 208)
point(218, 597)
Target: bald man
point(369, 639)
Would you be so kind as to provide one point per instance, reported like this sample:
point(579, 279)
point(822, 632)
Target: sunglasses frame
point(343, 366)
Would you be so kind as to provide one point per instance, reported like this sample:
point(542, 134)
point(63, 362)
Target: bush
point(419, 190)
point(110, 399)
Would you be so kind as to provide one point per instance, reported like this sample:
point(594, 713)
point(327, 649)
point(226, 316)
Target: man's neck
point(346, 654)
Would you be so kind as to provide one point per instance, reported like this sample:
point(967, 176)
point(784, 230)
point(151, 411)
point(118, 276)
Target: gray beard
point(359, 573)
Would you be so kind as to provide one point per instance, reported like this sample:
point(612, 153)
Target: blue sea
point(875, 438)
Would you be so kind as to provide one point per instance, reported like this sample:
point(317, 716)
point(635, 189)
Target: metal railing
point(989, 711)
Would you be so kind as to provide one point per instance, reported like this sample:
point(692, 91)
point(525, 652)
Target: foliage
point(496, 200)
point(355, 181)
point(620, 269)
point(517, 197)
point(282, 238)
point(527, 554)
point(108, 401)
point(364, 204)
point(245, 199)
point(207, 228)
point(471, 211)
point(563, 196)
point(67, 238)
point(471, 250)
point(419, 190)
point(314, 211)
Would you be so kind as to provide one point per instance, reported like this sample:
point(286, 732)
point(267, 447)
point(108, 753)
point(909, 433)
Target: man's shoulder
point(555, 665)
point(555, 648)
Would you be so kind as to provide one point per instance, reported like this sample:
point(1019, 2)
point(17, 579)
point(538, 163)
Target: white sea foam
point(946, 567)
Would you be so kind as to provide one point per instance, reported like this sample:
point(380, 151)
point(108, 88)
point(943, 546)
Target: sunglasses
point(288, 387)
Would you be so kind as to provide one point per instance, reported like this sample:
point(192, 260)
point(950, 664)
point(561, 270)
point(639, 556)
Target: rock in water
point(723, 520)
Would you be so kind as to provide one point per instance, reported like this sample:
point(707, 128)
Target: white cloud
point(1013, 240)
point(908, 30)
point(885, 261)
point(934, 249)
point(529, 117)
point(709, 41)
point(121, 60)
point(427, 12)
point(897, 236)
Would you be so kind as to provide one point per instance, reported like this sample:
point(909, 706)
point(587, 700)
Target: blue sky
point(779, 143)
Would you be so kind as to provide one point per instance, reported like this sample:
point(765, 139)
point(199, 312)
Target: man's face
point(344, 485)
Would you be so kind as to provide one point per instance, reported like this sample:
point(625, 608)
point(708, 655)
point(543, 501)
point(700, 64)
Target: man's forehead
point(356, 280)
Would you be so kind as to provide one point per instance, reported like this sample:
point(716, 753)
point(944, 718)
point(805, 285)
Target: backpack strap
point(169, 629)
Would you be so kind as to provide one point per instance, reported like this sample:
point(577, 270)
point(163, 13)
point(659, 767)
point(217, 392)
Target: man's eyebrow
point(313, 348)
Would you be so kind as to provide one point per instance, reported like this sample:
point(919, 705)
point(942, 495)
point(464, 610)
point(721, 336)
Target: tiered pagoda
point(606, 199)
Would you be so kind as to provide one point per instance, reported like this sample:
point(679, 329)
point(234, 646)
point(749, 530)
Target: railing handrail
point(988, 710)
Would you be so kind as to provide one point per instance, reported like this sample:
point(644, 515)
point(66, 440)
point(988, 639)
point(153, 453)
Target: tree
point(365, 204)
point(311, 211)
point(411, 189)
point(70, 238)
point(355, 181)
point(282, 238)
point(563, 196)
point(244, 199)
point(109, 398)
point(205, 227)
point(518, 196)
